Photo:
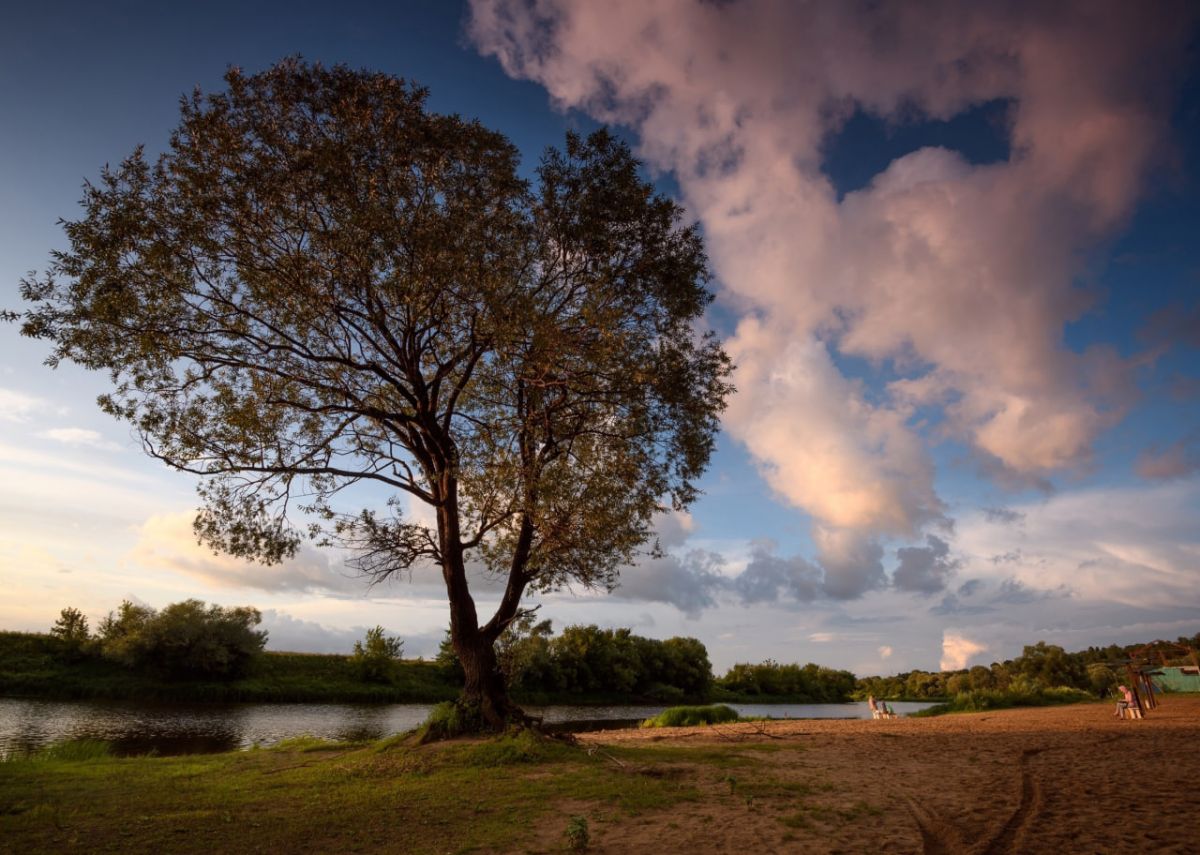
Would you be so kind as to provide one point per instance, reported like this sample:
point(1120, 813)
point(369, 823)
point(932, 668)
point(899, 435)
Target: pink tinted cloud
point(962, 275)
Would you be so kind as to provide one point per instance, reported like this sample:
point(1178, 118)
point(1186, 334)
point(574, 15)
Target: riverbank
point(31, 667)
point(1065, 779)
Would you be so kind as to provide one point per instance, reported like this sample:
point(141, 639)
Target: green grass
point(674, 754)
point(308, 744)
point(516, 793)
point(692, 716)
point(67, 751)
point(449, 797)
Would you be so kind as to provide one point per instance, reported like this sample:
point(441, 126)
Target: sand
point(1059, 779)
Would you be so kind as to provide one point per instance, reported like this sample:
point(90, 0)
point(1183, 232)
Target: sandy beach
point(1059, 779)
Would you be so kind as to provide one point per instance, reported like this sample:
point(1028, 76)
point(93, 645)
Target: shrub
point(375, 657)
point(185, 639)
point(448, 720)
point(692, 716)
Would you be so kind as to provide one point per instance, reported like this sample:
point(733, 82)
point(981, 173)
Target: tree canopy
point(322, 285)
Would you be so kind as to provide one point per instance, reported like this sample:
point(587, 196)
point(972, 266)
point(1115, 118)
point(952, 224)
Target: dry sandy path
point(1056, 780)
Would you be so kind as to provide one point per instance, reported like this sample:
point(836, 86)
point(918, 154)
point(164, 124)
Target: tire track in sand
point(1028, 809)
point(937, 836)
point(940, 837)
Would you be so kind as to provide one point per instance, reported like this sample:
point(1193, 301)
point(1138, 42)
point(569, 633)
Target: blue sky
point(955, 260)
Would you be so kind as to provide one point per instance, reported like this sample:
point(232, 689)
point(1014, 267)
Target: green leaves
point(375, 657)
point(185, 639)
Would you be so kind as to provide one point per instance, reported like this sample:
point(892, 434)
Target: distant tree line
point(588, 660)
point(1040, 666)
point(192, 640)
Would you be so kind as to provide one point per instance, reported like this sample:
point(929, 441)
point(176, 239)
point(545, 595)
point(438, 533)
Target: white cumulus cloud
point(957, 650)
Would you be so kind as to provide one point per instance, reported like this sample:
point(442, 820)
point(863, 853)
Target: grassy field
point(511, 794)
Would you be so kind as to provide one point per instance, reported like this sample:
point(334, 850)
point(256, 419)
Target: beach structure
point(1181, 678)
point(1177, 668)
point(1154, 667)
point(1168, 653)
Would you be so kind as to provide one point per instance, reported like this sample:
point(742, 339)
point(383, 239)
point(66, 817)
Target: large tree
point(322, 285)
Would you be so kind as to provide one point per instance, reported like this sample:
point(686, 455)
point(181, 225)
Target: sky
point(955, 260)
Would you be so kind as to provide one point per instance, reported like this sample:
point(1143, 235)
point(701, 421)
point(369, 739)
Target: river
point(141, 728)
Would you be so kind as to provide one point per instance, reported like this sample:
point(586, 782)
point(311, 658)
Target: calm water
point(138, 728)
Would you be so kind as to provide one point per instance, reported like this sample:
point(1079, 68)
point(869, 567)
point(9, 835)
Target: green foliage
point(449, 720)
point(666, 694)
point(1101, 679)
point(184, 640)
point(1040, 666)
point(578, 838)
point(1048, 665)
point(806, 683)
point(523, 746)
point(447, 661)
point(375, 657)
point(1023, 693)
point(592, 662)
point(692, 716)
point(121, 634)
point(590, 659)
point(524, 653)
point(71, 629)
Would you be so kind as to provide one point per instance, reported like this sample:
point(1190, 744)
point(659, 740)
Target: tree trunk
point(484, 704)
point(485, 695)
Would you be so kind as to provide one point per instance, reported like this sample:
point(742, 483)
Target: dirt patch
point(1060, 779)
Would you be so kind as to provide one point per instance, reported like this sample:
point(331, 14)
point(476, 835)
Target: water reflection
point(143, 728)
